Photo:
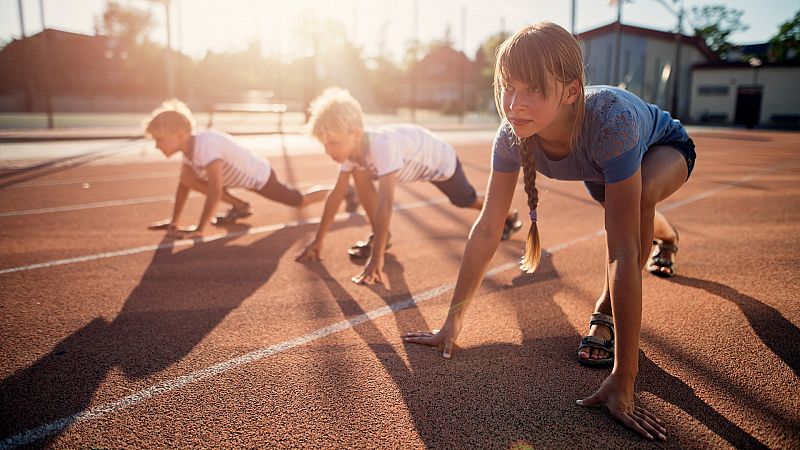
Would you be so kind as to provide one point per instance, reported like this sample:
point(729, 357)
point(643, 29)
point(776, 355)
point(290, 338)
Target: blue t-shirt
point(617, 130)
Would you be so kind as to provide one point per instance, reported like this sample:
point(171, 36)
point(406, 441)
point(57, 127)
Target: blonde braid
point(530, 260)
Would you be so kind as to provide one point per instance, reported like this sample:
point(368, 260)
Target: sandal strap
point(664, 246)
point(602, 319)
point(661, 262)
point(596, 342)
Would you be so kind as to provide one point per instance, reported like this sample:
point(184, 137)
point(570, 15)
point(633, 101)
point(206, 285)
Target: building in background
point(649, 62)
point(753, 93)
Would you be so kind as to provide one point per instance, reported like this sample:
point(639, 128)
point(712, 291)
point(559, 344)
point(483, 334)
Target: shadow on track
point(15, 176)
point(774, 330)
point(502, 395)
point(180, 299)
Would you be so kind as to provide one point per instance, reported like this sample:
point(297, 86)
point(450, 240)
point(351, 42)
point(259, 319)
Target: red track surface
point(140, 349)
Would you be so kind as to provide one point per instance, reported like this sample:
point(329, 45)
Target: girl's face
point(170, 142)
point(340, 146)
point(527, 109)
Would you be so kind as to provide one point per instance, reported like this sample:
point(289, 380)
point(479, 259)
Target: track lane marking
point(131, 201)
point(186, 242)
point(35, 434)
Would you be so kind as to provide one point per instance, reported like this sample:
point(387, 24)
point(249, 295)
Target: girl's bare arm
point(623, 230)
point(483, 241)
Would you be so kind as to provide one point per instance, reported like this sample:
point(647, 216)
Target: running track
point(113, 337)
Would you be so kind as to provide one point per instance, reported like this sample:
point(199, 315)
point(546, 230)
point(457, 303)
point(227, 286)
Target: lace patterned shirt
point(617, 130)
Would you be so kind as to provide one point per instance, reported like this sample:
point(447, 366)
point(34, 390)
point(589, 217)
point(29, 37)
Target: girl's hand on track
point(444, 338)
point(617, 395)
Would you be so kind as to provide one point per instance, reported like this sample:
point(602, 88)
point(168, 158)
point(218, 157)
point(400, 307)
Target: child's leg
point(366, 192)
point(192, 181)
point(664, 171)
point(274, 190)
point(462, 194)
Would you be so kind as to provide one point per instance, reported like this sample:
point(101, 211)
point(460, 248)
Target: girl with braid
point(630, 154)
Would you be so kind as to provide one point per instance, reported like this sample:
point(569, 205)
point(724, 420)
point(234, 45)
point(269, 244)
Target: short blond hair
point(172, 116)
point(335, 111)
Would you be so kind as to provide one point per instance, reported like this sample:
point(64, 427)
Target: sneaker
point(512, 225)
point(363, 249)
point(231, 216)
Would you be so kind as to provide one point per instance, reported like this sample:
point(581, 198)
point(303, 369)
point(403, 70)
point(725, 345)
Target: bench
point(261, 108)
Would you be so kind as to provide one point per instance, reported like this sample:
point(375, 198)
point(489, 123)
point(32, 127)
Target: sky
point(199, 26)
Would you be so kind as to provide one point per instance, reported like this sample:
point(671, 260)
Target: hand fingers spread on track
point(629, 420)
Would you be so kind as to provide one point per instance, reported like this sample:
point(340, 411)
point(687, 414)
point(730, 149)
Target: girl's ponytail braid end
point(533, 250)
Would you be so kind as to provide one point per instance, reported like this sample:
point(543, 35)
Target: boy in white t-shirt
point(212, 163)
point(390, 154)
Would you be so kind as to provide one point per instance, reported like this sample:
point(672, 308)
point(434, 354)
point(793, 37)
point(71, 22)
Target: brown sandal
point(659, 263)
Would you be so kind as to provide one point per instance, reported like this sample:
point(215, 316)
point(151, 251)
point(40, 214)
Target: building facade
point(650, 63)
point(743, 94)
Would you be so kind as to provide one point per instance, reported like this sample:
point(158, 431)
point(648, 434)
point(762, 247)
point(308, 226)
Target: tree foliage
point(129, 25)
point(783, 46)
point(715, 24)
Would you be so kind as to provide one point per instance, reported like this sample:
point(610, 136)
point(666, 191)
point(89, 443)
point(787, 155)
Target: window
point(713, 90)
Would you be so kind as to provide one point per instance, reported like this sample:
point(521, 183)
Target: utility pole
point(676, 84)
point(48, 101)
point(21, 19)
point(674, 103)
point(616, 78)
point(572, 18)
point(170, 56)
point(464, 62)
point(413, 68)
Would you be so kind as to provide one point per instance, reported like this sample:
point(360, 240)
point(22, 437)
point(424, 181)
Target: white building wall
point(780, 93)
point(645, 60)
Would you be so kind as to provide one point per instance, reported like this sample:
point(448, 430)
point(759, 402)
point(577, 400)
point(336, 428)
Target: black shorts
point(597, 189)
point(457, 188)
point(274, 190)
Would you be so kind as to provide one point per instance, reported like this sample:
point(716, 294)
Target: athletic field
point(115, 337)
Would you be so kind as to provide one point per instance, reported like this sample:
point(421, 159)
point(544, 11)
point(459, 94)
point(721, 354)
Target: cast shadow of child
point(503, 394)
point(774, 330)
point(181, 298)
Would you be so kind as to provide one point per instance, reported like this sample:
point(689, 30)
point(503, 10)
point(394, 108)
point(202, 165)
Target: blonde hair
point(334, 112)
point(536, 55)
point(172, 116)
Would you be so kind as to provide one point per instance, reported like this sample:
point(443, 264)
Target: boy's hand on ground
point(617, 395)
point(372, 273)
point(311, 252)
point(165, 224)
point(444, 339)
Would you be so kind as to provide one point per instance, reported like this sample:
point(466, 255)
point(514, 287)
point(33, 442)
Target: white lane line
point(131, 201)
point(35, 434)
point(170, 174)
point(187, 242)
point(268, 228)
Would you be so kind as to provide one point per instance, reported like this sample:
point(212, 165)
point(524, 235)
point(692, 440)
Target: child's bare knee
point(188, 177)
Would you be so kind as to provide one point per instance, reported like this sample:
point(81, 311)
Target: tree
point(129, 25)
point(715, 23)
point(485, 59)
point(783, 46)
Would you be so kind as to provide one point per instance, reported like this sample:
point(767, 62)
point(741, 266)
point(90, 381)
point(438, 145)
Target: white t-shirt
point(413, 152)
point(240, 168)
